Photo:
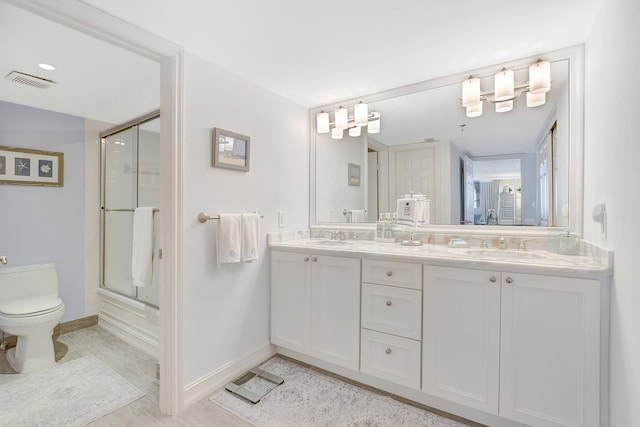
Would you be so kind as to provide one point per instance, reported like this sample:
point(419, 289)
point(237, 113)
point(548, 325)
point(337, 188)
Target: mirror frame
point(575, 56)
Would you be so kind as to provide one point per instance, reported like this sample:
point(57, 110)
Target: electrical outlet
point(281, 219)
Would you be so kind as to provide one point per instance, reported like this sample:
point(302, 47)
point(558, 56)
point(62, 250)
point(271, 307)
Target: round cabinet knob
point(388, 351)
point(388, 303)
point(389, 273)
point(492, 279)
point(508, 280)
point(314, 259)
point(306, 259)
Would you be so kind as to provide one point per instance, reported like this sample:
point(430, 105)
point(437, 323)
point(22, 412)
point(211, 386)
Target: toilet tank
point(27, 281)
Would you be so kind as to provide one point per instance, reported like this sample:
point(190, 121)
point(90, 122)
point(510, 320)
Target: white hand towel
point(358, 215)
point(229, 238)
point(142, 247)
point(250, 233)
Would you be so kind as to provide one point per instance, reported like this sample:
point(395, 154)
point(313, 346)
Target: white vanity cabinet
point(461, 341)
point(315, 306)
point(391, 321)
point(550, 344)
point(522, 346)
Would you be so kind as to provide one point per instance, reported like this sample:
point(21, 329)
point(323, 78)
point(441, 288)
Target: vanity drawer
point(402, 274)
point(392, 310)
point(391, 358)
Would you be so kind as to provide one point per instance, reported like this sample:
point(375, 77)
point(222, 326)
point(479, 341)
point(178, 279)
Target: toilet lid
point(32, 305)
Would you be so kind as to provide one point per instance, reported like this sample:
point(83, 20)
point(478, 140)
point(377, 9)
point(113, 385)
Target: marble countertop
point(596, 264)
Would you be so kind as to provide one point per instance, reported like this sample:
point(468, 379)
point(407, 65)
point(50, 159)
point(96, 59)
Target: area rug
point(72, 393)
point(309, 398)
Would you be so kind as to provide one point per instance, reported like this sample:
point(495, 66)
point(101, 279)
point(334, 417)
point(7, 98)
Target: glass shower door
point(131, 178)
point(120, 163)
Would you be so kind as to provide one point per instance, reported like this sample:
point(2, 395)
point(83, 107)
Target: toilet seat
point(30, 307)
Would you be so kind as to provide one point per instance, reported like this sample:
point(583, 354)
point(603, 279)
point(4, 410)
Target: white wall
point(226, 309)
point(45, 224)
point(333, 192)
point(612, 176)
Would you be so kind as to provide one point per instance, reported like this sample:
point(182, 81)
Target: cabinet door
point(291, 300)
point(461, 333)
point(550, 350)
point(335, 310)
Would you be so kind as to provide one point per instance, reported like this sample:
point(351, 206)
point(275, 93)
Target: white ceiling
point(318, 52)
point(93, 79)
point(313, 53)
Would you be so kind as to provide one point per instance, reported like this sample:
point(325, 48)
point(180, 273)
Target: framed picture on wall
point(25, 166)
point(354, 174)
point(230, 150)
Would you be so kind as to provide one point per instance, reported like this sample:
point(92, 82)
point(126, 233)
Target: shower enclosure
point(130, 178)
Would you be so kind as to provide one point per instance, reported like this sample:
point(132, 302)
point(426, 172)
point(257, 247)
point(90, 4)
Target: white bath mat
point(68, 394)
point(309, 398)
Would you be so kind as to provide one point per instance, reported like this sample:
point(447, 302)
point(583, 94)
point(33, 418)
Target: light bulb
point(374, 124)
point(342, 118)
point(540, 77)
point(361, 114)
point(470, 91)
point(322, 122)
point(474, 110)
point(504, 82)
point(536, 100)
point(504, 106)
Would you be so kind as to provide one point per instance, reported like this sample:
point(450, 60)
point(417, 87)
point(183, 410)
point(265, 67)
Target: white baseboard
point(129, 335)
point(213, 381)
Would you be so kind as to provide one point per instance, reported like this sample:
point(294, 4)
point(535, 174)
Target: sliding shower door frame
point(103, 182)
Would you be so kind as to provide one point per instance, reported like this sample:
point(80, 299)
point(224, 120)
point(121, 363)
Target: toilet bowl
point(29, 309)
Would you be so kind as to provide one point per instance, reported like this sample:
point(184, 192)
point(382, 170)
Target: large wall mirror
point(521, 168)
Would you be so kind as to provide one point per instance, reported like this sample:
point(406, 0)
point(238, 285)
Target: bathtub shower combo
point(130, 166)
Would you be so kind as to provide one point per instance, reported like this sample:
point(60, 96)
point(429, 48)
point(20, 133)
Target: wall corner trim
point(211, 382)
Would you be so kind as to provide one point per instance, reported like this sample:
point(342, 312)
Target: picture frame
point(26, 166)
point(354, 174)
point(231, 150)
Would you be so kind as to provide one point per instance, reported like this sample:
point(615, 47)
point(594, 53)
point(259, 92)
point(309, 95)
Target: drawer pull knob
point(314, 259)
point(508, 280)
point(492, 279)
point(388, 351)
point(389, 273)
point(306, 259)
point(388, 303)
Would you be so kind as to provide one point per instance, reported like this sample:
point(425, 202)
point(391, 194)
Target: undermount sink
point(502, 254)
point(329, 243)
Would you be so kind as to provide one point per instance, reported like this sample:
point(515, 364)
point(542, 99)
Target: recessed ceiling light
point(47, 67)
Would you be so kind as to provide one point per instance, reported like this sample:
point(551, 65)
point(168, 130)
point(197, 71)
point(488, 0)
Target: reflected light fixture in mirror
point(342, 120)
point(506, 90)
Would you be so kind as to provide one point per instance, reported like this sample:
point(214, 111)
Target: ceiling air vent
point(29, 80)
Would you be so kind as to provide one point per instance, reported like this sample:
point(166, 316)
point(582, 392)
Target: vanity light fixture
point(360, 118)
point(506, 90)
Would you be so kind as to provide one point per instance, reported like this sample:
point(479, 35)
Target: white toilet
point(29, 309)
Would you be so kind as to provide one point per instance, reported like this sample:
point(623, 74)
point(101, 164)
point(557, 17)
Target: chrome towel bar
point(125, 210)
point(204, 217)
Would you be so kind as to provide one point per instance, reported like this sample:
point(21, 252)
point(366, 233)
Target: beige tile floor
point(140, 370)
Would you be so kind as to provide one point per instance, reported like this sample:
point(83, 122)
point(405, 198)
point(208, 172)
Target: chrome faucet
point(3, 260)
point(483, 242)
point(502, 243)
point(338, 235)
point(523, 244)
